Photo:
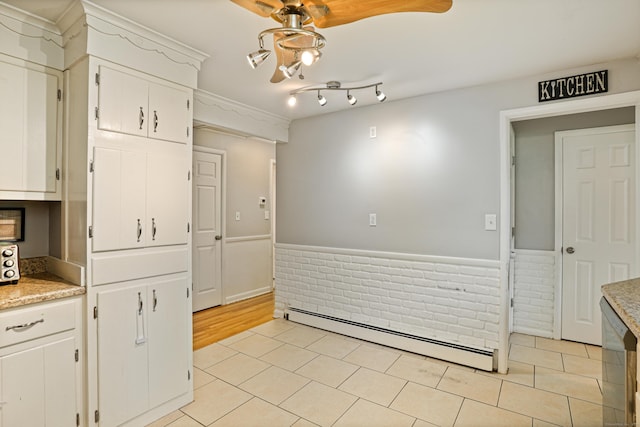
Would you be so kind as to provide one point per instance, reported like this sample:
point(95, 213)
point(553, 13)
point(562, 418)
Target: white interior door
point(207, 231)
point(598, 222)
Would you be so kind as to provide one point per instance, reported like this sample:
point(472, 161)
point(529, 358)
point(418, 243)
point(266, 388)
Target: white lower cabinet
point(39, 371)
point(143, 347)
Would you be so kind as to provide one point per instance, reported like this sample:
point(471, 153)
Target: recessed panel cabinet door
point(169, 340)
point(29, 124)
point(169, 113)
point(119, 199)
point(167, 195)
point(123, 391)
point(123, 101)
point(39, 386)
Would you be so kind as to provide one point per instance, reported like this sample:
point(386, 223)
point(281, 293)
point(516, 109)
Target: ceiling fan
point(296, 42)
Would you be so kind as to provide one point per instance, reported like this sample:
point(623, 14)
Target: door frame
point(605, 102)
point(223, 212)
point(559, 202)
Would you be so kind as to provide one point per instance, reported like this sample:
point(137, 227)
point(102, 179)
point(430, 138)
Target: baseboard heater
point(462, 355)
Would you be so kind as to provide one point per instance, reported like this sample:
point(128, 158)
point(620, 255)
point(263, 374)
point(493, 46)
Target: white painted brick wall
point(533, 305)
point(448, 299)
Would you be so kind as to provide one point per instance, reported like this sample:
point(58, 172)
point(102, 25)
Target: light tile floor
point(285, 374)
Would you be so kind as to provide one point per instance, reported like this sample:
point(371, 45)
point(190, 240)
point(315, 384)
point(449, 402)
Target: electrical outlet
point(237, 215)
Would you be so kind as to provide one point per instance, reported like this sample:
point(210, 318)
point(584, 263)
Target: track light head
point(380, 95)
point(292, 101)
point(321, 100)
point(256, 58)
point(310, 56)
point(291, 70)
point(352, 99)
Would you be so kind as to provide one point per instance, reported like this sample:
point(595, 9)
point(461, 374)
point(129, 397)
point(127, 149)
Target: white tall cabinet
point(127, 211)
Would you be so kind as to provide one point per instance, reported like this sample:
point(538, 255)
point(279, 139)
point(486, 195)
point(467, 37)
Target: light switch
point(266, 214)
point(237, 215)
point(372, 220)
point(372, 132)
point(490, 222)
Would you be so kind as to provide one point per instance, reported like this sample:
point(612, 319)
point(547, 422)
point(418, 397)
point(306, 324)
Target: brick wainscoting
point(453, 300)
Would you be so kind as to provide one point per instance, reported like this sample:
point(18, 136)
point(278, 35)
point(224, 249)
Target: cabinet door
point(119, 199)
point(60, 383)
point(169, 340)
point(122, 354)
point(169, 113)
point(39, 386)
point(123, 101)
point(29, 123)
point(167, 194)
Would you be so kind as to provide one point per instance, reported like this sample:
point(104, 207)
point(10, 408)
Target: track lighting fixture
point(380, 95)
point(292, 101)
point(321, 100)
point(351, 99)
point(335, 85)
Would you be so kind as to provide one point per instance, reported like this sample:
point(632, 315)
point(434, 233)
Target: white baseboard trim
point(246, 295)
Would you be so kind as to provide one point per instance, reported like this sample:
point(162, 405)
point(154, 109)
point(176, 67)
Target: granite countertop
point(36, 285)
point(624, 298)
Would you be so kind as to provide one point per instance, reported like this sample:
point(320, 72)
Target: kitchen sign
point(571, 87)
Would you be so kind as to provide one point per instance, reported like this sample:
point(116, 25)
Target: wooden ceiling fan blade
point(330, 13)
point(263, 8)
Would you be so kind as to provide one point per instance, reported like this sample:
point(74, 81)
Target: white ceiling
point(477, 41)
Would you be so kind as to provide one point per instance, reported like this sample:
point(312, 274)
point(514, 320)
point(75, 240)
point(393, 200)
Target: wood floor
point(217, 323)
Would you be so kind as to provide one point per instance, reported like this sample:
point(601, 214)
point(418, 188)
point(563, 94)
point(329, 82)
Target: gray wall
point(535, 171)
point(430, 176)
point(248, 172)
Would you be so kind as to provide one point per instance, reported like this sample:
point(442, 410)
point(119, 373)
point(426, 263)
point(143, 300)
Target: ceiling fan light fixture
point(321, 100)
point(310, 56)
point(256, 58)
point(380, 95)
point(352, 99)
point(291, 70)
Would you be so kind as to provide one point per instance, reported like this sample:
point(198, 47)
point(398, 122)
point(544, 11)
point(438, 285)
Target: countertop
point(35, 288)
point(624, 298)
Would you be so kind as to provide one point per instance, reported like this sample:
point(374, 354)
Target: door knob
point(218, 237)
point(570, 250)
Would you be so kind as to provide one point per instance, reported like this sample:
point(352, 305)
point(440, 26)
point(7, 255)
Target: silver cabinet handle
point(141, 118)
point(139, 304)
point(155, 121)
point(24, 325)
point(570, 250)
point(155, 300)
point(153, 229)
point(139, 229)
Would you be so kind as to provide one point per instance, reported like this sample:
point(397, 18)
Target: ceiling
point(475, 42)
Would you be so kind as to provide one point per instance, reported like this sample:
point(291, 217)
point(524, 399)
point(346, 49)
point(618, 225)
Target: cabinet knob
point(219, 237)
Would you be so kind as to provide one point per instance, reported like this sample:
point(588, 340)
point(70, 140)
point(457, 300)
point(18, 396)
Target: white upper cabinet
point(140, 198)
point(131, 104)
point(30, 117)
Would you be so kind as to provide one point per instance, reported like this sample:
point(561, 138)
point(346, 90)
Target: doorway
point(606, 102)
point(595, 209)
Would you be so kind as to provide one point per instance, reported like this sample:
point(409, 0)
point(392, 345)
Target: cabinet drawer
point(25, 324)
